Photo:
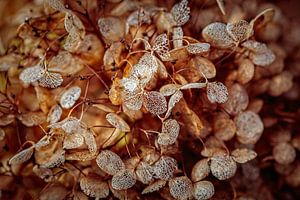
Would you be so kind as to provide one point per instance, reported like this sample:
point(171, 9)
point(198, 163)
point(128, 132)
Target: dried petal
point(181, 187)
point(249, 127)
point(155, 186)
point(51, 80)
point(94, 187)
point(284, 153)
point(117, 122)
point(169, 89)
point(216, 34)
point(243, 155)
point(54, 114)
point(169, 133)
point(110, 162)
point(193, 86)
point(200, 170)
point(198, 48)
point(165, 167)
point(57, 5)
point(181, 12)
point(55, 160)
point(22, 156)
point(203, 190)
point(161, 46)
point(175, 98)
point(32, 74)
point(69, 97)
point(223, 167)
point(155, 102)
point(144, 172)
point(240, 30)
point(123, 180)
point(217, 92)
point(177, 37)
point(73, 141)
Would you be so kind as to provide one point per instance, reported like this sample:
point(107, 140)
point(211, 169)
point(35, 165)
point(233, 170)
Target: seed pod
point(223, 167)
point(200, 170)
point(69, 97)
point(249, 127)
point(164, 168)
point(203, 190)
point(94, 187)
point(110, 162)
point(181, 187)
point(284, 153)
point(123, 180)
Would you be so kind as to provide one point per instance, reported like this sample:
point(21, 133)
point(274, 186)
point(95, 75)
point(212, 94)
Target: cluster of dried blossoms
point(143, 100)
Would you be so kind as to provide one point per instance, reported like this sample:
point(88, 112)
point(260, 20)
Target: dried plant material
point(6, 119)
point(216, 34)
point(224, 128)
point(54, 114)
point(239, 31)
point(198, 48)
point(245, 71)
point(22, 156)
point(117, 122)
point(223, 167)
point(217, 92)
point(177, 37)
point(281, 83)
point(161, 46)
point(203, 190)
point(249, 127)
point(238, 99)
point(139, 17)
point(72, 42)
point(32, 118)
point(69, 97)
point(200, 170)
point(175, 98)
point(90, 140)
point(168, 89)
point(73, 141)
point(56, 5)
point(164, 168)
point(55, 160)
point(2, 134)
point(155, 186)
point(155, 102)
point(50, 80)
point(123, 180)
point(73, 24)
point(181, 187)
point(169, 133)
point(193, 86)
point(32, 74)
point(43, 173)
point(181, 12)
point(204, 66)
point(144, 172)
point(111, 28)
point(263, 18)
point(94, 187)
point(284, 153)
point(221, 6)
point(110, 162)
point(243, 155)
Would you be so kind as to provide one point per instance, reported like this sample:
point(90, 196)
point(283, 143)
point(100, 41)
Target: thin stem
point(97, 75)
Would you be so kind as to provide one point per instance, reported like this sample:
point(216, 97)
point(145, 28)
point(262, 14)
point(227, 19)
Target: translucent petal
point(110, 162)
point(22, 156)
point(155, 102)
point(240, 30)
point(94, 187)
point(243, 155)
point(144, 172)
point(117, 122)
point(133, 100)
point(181, 12)
point(161, 46)
point(181, 187)
point(216, 34)
point(51, 80)
point(193, 86)
point(155, 186)
point(169, 89)
point(56, 5)
point(55, 160)
point(175, 98)
point(223, 167)
point(203, 190)
point(169, 133)
point(165, 167)
point(90, 140)
point(177, 37)
point(73, 141)
point(123, 180)
point(54, 114)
